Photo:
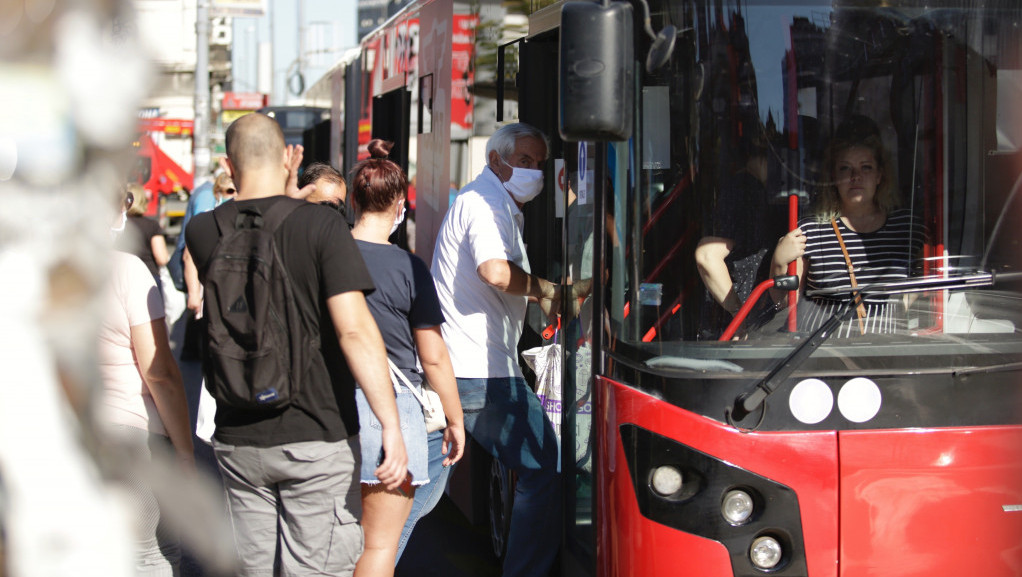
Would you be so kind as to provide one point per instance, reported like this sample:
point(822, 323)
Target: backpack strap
point(224, 216)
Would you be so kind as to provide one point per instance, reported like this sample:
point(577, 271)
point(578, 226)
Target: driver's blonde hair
point(857, 132)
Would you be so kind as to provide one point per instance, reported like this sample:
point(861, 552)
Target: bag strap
point(859, 309)
point(399, 378)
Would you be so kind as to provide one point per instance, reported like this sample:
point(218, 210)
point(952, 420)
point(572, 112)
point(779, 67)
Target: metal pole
point(200, 134)
point(301, 36)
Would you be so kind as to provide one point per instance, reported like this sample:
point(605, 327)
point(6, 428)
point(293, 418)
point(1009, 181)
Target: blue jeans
point(428, 495)
point(506, 418)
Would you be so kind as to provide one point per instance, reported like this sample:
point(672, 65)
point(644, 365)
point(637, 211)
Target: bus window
point(748, 132)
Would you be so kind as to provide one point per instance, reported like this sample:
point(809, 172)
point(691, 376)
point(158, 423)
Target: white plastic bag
point(204, 425)
point(545, 361)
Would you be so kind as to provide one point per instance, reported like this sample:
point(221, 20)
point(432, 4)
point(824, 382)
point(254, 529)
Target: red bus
point(159, 176)
point(787, 450)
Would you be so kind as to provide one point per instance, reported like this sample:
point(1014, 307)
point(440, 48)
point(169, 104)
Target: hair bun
point(379, 148)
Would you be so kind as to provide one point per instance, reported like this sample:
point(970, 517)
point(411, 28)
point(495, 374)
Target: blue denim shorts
point(413, 430)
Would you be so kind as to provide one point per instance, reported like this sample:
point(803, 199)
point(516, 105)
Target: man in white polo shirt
point(484, 283)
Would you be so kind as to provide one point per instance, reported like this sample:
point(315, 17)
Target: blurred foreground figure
point(71, 78)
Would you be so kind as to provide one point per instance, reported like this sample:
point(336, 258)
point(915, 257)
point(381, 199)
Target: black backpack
point(259, 343)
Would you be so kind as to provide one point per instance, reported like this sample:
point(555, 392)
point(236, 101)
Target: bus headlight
point(765, 553)
point(666, 480)
point(737, 507)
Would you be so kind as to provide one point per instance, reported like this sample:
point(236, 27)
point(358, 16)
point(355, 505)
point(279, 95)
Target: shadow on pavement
point(445, 543)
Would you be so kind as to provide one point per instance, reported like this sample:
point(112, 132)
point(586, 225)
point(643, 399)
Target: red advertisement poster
point(462, 71)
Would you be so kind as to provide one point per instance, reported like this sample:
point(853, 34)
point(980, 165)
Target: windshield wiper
point(749, 401)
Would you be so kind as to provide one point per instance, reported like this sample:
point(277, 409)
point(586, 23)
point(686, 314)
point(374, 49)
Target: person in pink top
point(143, 402)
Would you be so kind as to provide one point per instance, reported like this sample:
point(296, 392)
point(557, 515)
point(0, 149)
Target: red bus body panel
point(629, 544)
point(932, 502)
point(913, 502)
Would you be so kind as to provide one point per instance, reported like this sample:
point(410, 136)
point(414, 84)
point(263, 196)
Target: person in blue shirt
point(200, 200)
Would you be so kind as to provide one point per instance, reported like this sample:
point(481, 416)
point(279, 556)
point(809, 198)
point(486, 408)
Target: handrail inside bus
point(789, 282)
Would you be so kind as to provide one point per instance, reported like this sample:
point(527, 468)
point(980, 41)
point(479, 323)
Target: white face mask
point(525, 184)
point(397, 221)
point(118, 228)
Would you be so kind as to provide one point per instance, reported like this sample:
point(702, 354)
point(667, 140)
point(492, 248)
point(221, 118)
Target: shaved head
point(254, 141)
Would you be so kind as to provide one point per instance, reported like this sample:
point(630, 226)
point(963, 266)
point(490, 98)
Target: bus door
point(563, 233)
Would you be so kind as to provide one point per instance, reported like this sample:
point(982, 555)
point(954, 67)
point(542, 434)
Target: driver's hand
point(790, 247)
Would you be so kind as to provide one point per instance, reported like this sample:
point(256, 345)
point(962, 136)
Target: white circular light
point(666, 480)
point(737, 507)
point(811, 401)
point(765, 553)
point(859, 400)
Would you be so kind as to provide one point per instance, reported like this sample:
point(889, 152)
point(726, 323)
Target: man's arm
point(710, 255)
point(363, 348)
point(508, 277)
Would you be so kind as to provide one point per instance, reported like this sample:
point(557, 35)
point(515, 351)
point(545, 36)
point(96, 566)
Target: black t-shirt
point(405, 299)
point(322, 260)
point(137, 239)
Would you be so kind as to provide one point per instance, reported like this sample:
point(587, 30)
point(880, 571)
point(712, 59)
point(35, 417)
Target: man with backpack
point(284, 300)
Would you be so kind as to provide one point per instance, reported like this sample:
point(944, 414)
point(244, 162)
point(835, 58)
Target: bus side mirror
point(597, 71)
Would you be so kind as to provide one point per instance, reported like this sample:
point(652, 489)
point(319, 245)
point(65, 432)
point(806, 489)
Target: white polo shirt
point(482, 324)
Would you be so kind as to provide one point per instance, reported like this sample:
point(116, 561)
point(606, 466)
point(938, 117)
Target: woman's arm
point(158, 244)
point(436, 364)
point(161, 374)
point(790, 248)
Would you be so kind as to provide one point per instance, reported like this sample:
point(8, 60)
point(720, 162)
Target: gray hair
point(503, 141)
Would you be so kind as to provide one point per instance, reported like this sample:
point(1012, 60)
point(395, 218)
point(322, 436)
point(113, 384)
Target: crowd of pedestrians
point(328, 472)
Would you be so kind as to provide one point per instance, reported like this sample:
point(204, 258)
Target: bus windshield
point(870, 151)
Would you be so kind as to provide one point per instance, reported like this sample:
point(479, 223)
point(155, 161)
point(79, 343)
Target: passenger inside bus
point(858, 236)
point(734, 256)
